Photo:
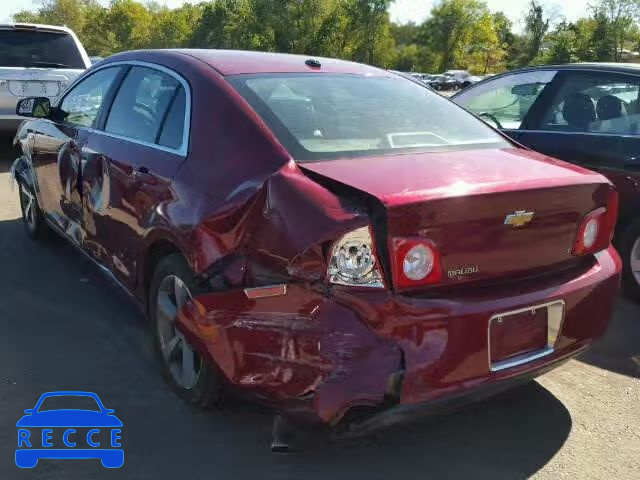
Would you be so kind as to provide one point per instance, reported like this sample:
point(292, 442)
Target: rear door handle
point(142, 174)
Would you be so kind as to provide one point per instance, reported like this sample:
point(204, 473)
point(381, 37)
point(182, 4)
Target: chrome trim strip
point(181, 152)
point(555, 319)
point(184, 147)
point(520, 359)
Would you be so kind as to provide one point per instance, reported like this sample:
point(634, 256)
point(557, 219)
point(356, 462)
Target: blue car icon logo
point(91, 431)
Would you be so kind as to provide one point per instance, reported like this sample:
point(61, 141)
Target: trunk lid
point(474, 205)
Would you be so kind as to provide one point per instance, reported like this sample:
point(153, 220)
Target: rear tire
point(32, 218)
point(629, 248)
point(190, 374)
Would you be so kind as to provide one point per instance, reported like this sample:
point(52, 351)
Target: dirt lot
point(62, 326)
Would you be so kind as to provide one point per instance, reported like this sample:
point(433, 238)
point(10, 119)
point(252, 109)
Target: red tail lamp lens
point(415, 262)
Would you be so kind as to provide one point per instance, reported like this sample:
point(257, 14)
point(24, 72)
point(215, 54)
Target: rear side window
point(29, 48)
point(323, 116)
point(173, 128)
point(143, 101)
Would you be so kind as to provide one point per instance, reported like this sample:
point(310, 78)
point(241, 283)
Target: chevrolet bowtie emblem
point(518, 218)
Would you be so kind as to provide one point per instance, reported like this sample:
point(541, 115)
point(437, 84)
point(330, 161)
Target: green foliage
point(562, 45)
point(536, 26)
point(448, 31)
point(620, 18)
point(456, 34)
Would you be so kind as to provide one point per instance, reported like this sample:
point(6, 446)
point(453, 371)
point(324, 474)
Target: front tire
point(191, 376)
point(31, 214)
point(629, 248)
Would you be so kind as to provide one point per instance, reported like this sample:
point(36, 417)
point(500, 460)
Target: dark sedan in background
point(586, 114)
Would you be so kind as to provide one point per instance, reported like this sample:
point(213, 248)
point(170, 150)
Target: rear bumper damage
point(316, 352)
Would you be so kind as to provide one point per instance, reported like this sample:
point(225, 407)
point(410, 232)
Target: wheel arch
point(155, 250)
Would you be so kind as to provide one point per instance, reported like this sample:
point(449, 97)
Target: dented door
point(126, 185)
point(58, 150)
point(57, 159)
point(129, 167)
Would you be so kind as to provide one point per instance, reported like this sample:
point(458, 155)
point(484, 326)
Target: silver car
point(35, 61)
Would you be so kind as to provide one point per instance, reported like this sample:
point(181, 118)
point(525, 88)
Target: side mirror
point(36, 107)
point(109, 411)
point(29, 411)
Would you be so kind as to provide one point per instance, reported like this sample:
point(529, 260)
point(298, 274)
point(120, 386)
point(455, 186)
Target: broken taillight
point(352, 260)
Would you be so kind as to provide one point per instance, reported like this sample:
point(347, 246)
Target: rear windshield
point(27, 48)
point(324, 116)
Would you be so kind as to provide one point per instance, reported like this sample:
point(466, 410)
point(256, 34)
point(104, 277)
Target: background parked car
point(587, 114)
point(414, 77)
point(35, 60)
point(443, 82)
point(462, 78)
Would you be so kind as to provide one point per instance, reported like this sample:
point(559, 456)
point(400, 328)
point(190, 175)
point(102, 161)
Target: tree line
point(457, 34)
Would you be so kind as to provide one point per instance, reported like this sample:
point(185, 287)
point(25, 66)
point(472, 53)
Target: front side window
point(596, 104)
point(81, 106)
point(322, 116)
point(141, 104)
point(505, 101)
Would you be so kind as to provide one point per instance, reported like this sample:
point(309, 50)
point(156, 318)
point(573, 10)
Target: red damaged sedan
point(321, 235)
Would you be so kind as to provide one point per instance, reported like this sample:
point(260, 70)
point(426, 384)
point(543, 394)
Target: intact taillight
point(416, 261)
point(596, 229)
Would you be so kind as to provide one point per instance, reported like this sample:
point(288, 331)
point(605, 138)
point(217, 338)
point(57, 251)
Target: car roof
point(34, 27)
point(234, 62)
point(612, 67)
point(585, 66)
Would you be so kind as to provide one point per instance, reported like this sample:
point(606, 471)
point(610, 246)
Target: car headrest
point(610, 107)
point(578, 110)
point(302, 120)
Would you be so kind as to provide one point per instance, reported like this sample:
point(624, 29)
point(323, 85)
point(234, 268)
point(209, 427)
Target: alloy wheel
point(183, 363)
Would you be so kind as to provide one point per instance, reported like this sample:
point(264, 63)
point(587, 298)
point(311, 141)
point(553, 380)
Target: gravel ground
point(64, 327)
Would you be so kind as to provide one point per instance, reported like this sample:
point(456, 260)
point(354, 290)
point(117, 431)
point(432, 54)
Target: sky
point(401, 10)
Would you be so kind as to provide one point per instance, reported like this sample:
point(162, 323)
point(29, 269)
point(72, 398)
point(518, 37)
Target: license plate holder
point(520, 336)
point(34, 88)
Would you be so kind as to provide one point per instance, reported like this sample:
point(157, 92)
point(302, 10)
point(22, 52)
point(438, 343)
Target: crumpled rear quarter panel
point(317, 352)
point(286, 348)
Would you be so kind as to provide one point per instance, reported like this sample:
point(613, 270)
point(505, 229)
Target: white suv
point(35, 61)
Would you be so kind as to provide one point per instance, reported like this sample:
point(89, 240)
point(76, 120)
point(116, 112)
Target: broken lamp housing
point(352, 260)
